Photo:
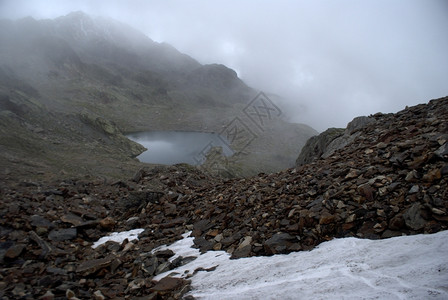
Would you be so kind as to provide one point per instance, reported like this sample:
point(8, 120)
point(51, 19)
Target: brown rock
point(14, 251)
point(47, 296)
point(367, 191)
point(107, 223)
point(72, 219)
point(353, 173)
point(397, 222)
point(326, 218)
point(433, 175)
point(92, 266)
point(168, 284)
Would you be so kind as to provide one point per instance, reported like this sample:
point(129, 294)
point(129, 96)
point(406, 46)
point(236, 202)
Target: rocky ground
point(390, 180)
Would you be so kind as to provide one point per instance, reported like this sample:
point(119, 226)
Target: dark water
point(172, 147)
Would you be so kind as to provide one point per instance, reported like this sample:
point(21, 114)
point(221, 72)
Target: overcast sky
point(332, 60)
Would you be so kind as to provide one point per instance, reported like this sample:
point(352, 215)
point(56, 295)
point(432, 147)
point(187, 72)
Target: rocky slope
point(391, 180)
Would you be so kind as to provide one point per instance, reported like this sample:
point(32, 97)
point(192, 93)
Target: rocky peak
point(80, 27)
point(332, 139)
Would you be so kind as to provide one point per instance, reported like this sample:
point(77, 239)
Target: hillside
point(56, 75)
point(389, 181)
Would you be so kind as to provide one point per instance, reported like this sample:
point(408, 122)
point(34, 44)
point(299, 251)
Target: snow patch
point(408, 267)
point(119, 237)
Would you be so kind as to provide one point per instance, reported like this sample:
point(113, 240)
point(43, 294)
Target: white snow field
point(407, 267)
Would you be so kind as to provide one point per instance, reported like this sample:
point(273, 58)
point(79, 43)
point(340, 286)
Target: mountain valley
point(73, 87)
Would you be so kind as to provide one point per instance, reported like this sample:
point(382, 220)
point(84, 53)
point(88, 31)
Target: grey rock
point(339, 143)
point(442, 152)
point(202, 225)
point(414, 189)
point(413, 218)
point(317, 145)
point(358, 123)
point(39, 221)
point(14, 251)
point(331, 140)
point(278, 243)
point(203, 244)
point(63, 234)
point(349, 136)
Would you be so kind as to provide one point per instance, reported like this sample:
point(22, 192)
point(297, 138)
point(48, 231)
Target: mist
point(329, 61)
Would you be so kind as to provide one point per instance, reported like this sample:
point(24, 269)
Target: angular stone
point(246, 242)
point(242, 252)
point(326, 218)
point(14, 251)
point(442, 152)
point(168, 284)
point(397, 222)
point(437, 211)
point(132, 222)
point(411, 176)
point(39, 221)
point(72, 219)
point(413, 218)
point(367, 191)
point(414, 189)
point(92, 266)
point(98, 295)
point(358, 123)
point(433, 175)
point(353, 173)
point(47, 296)
point(244, 248)
point(203, 244)
point(212, 233)
point(202, 225)
point(218, 238)
point(163, 267)
point(350, 218)
point(63, 234)
point(444, 170)
point(278, 243)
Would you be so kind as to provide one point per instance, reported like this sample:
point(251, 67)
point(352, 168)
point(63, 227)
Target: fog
point(330, 60)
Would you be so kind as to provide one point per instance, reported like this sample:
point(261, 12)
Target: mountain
point(390, 181)
point(65, 76)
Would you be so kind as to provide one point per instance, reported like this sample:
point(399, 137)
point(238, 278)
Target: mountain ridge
point(76, 65)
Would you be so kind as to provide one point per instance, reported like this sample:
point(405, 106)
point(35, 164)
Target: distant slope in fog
point(94, 67)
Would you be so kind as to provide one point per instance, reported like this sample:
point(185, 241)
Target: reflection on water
point(172, 147)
